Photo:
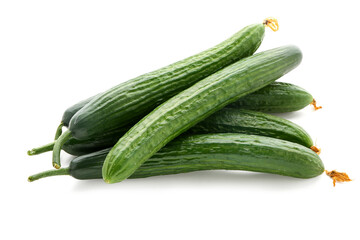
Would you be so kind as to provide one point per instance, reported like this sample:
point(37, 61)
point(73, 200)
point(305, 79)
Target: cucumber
point(228, 151)
point(226, 120)
point(80, 147)
point(229, 120)
point(135, 98)
point(278, 97)
point(69, 113)
point(193, 105)
point(131, 100)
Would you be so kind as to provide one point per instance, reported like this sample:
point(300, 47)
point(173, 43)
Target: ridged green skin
point(71, 111)
point(215, 151)
point(193, 105)
point(131, 100)
point(80, 147)
point(227, 120)
point(275, 98)
point(68, 114)
point(250, 122)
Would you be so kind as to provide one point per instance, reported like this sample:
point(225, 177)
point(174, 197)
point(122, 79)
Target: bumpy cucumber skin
point(193, 105)
point(70, 112)
point(131, 100)
point(227, 120)
point(244, 121)
point(80, 147)
point(277, 97)
point(227, 151)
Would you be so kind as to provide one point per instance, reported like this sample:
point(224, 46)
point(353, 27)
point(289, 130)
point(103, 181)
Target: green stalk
point(49, 173)
point(46, 148)
point(59, 131)
point(57, 148)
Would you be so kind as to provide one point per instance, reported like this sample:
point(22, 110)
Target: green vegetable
point(69, 113)
point(131, 100)
point(277, 97)
point(226, 120)
point(244, 121)
point(193, 105)
point(207, 152)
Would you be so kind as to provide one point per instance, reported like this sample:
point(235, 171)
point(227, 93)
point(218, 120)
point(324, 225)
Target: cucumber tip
point(57, 166)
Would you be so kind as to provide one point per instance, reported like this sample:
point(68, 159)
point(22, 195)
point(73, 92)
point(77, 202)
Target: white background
point(55, 53)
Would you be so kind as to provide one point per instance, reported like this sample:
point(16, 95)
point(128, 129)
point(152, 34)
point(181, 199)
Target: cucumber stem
point(57, 148)
point(338, 176)
point(49, 173)
point(316, 149)
point(272, 23)
point(314, 104)
point(59, 131)
point(46, 148)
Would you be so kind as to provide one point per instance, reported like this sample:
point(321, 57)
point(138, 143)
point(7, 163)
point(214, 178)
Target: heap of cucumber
point(209, 111)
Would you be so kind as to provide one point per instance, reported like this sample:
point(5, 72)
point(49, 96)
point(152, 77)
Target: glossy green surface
point(251, 122)
point(70, 111)
point(131, 100)
point(277, 97)
point(193, 105)
point(227, 120)
point(80, 147)
point(215, 151)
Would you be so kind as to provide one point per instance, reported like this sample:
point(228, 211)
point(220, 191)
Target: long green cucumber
point(131, 100)
point(227, 120)
point(208, 152)
point(277, 97)
point(135, 98)
point(193, 105)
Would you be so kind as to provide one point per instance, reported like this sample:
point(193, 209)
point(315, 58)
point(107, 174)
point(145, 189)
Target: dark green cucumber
point(276, 98)
point(156, 87)
point(226, 120)
point(193, 105)
point(131, 100)
point(69, 113)
point(135, 98)
point(208, 152)
point(229, 120)
point(78, 147)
